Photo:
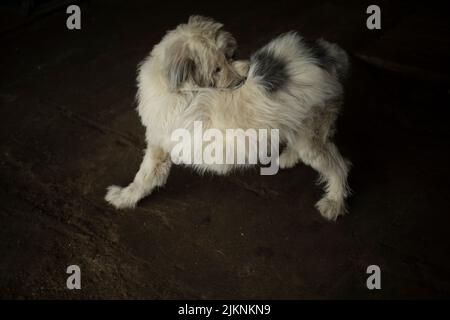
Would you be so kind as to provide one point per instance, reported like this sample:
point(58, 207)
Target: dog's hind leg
point(152, 173)
point(325, 158)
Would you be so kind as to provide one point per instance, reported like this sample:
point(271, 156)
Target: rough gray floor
point(68, 129)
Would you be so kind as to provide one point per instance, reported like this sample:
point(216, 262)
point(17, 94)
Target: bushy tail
point(340, 61)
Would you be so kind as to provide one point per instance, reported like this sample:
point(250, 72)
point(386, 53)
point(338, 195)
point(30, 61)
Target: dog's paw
point(121, 198)
point(330, 209)
point(288, 159)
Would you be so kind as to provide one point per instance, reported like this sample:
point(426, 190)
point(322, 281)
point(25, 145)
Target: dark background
point(68, 129)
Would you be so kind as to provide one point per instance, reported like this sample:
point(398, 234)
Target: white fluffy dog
point(291, 84)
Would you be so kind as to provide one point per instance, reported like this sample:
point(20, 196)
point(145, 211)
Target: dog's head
point(199, 54)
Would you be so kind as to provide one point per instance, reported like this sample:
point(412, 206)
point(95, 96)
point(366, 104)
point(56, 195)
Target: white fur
point(304, 111)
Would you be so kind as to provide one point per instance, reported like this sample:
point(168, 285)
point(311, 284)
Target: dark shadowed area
point(68, 129)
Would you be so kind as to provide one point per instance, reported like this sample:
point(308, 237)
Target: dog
point(290, 84)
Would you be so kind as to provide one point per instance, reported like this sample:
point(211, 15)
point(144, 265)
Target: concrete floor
point(68, 127)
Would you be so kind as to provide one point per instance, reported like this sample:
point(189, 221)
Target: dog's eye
point(218, 69)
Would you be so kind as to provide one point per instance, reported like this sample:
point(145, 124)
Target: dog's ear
point(226, 43)
point(180, 66)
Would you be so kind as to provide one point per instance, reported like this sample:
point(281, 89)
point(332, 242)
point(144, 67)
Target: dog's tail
point(332, 57)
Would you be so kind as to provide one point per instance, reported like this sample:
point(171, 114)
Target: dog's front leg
point(152, 173)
